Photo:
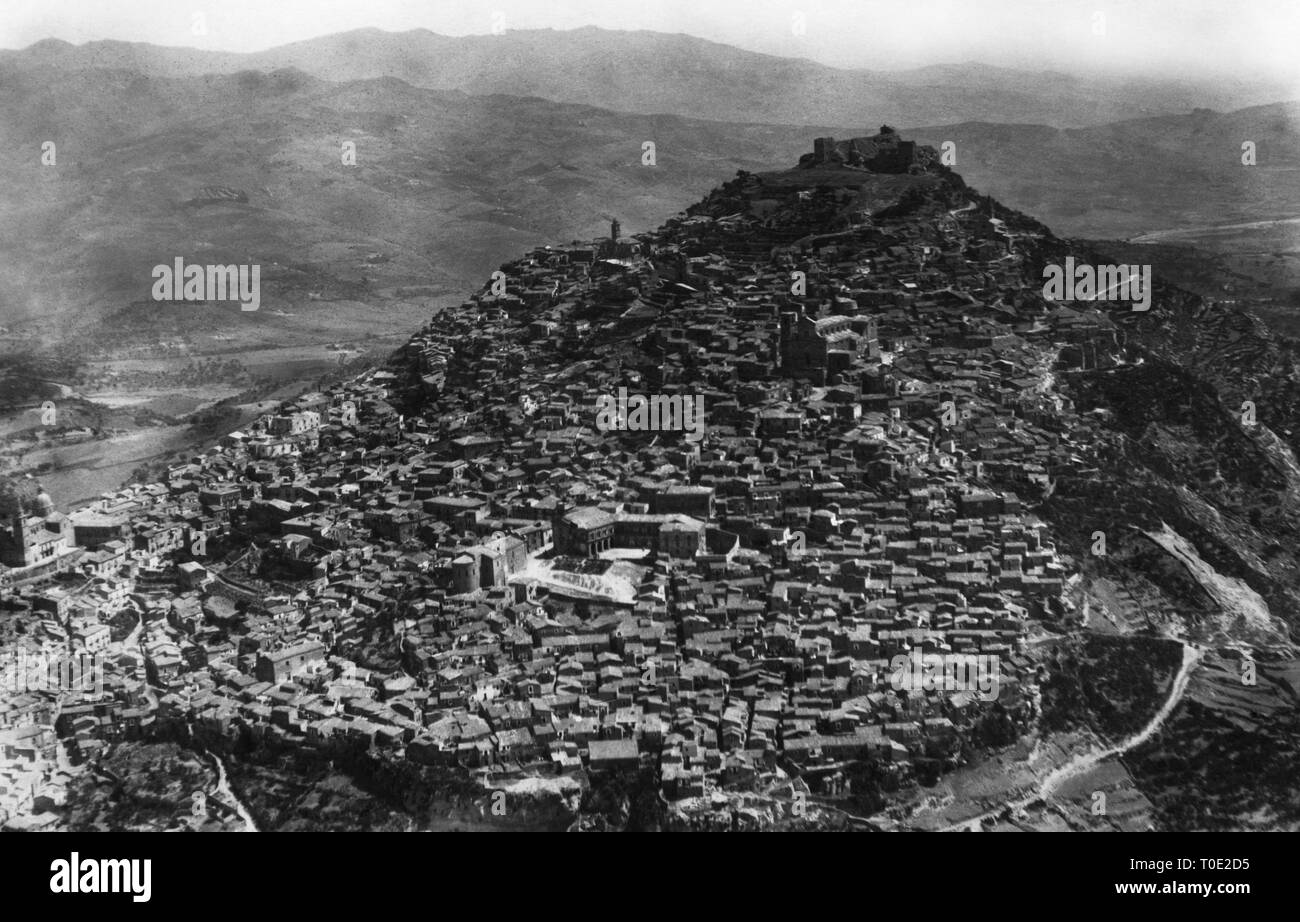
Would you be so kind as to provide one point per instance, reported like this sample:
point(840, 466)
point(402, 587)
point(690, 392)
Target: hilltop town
point(447, 562)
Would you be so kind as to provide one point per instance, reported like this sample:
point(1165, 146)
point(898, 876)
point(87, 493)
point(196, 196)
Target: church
point(35, 537)
point(815, 349)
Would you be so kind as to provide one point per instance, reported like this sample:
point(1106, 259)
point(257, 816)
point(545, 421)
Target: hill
point(445, 186)
point(915, 400)
point(1138, 176)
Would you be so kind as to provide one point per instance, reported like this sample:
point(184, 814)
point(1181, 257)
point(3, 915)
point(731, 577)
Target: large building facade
point(817, 348)
point(32, 539)
point(588, 531)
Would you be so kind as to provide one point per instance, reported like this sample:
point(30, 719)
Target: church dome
point(43, 506)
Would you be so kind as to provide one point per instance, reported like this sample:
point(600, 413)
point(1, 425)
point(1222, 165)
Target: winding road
point(1085, 762)
point(223, 789)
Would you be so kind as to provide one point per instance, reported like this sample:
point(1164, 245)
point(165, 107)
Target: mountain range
point(649, 72)
point(468, 149)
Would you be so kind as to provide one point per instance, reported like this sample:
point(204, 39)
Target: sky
point(1243, 39)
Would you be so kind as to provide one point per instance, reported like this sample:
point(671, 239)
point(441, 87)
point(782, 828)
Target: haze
point(1154, 37)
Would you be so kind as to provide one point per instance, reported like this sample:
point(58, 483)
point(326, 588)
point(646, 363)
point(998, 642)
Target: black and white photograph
point(772, 416)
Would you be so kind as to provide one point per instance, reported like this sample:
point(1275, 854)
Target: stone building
point(489, 564)
point(817, 348)
point(589, 531)
point(34, 539)
point(284, 664)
